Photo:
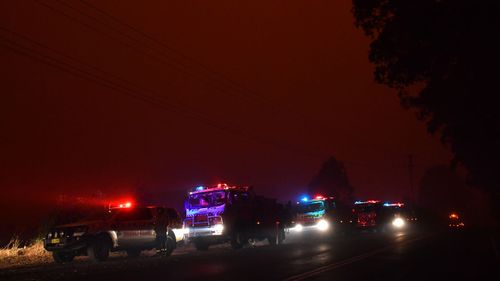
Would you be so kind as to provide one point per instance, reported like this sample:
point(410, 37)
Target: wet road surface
point(416, 255)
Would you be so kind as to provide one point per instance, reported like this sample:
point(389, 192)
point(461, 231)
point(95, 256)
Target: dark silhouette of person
point(161, 228)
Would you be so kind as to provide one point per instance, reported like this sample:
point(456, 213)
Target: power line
point(92, 76)
point(134, 93)
point(159, 58)
point(162, 44)
point(233, 85)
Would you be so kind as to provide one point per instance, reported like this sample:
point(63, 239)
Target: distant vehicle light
point(298, 227)
point(398, 222)
point(453, 216)
point(322, 225)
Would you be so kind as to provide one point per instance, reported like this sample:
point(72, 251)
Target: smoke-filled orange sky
point(250, 92)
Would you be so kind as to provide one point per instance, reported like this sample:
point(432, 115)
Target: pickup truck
point(130, 229)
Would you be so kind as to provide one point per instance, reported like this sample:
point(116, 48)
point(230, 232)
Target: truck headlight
point(322, 225)
point(398, 222)
point(298, 227)
point(219, 228)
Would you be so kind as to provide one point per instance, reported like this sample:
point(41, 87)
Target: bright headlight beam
point(298, 227)
point(398, 222)
point(322, 225)
point(219, 227)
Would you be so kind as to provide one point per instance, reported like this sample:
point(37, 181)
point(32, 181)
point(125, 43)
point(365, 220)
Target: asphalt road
point(410, 255)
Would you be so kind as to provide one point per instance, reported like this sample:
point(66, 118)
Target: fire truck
point(125, 227)
point(321, 214)
point(313, 214)
point(379, 216)
point(224, 213)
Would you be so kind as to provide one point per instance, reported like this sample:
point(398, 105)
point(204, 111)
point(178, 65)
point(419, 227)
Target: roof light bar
point(367, 202)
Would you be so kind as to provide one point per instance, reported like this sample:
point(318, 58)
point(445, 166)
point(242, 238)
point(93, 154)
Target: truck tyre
point(133, 253)
point(201, 245)
point(98, 250)
point(62, 257)
point(273, 239)
point(238, 240)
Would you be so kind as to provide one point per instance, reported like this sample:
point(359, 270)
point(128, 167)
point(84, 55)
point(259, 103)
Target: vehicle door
point(129, 223)
point(151, 224)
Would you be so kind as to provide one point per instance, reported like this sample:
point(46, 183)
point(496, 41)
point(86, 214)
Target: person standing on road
point(161, 226)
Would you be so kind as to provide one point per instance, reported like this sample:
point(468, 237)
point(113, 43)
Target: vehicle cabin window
point(240, 197)
point(134, 214)
point(330, 205)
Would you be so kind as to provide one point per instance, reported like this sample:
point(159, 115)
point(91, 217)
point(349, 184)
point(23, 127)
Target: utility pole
point(411, 165)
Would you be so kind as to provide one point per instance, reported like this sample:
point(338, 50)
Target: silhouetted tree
point(332, 180)
point(442, 191)
point(443, 57)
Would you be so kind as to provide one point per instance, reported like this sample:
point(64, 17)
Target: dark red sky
point(307, 80)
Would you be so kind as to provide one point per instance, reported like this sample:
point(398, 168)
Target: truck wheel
point(62, 257)
point(201, 245)
point(133, 253)
point(238, 240)
point(99, 249)
point(281, 237)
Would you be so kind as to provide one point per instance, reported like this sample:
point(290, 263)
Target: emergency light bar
point(317, 197)
point(219, 186)
point(386, 204)
point(124, 205)
point(367, 202)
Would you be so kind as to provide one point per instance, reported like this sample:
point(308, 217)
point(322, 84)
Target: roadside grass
point(13, 255)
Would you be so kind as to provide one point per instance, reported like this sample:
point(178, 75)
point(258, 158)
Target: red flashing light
point(124, 205)
point(319, 197)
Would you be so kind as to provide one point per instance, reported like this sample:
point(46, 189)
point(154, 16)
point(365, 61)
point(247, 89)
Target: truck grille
point(200, 218)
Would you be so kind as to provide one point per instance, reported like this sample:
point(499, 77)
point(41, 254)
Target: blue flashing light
point(358, 202)
point(199, 188)
point(304, 199)
point(386, 204)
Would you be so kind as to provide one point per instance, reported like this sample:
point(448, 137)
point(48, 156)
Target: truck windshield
point(311, 207)
point(207, 199)
point(368, 208)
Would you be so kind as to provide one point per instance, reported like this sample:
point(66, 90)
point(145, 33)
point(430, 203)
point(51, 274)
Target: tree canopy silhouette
point(332, 180)
point(441, 190)
point(443, 57)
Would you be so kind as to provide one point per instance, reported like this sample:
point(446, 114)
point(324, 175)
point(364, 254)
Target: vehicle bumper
point(65, 245)
point(196, 232)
